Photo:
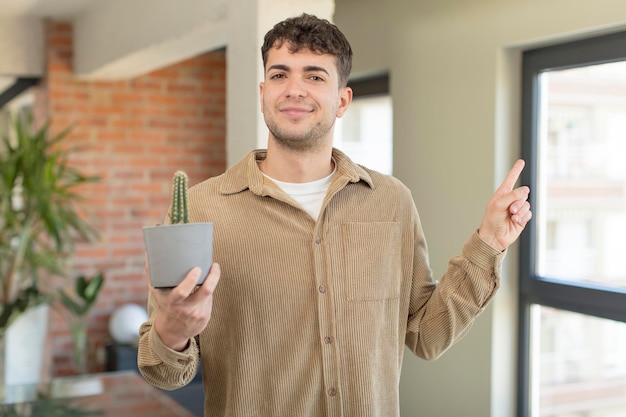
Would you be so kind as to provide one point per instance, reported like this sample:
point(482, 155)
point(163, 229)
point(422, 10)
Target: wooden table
point(111, 394)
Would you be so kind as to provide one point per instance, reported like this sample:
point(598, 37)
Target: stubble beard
point(306, 142)
point(312, 139)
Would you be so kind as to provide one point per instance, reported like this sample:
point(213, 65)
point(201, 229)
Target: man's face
point(301, 98)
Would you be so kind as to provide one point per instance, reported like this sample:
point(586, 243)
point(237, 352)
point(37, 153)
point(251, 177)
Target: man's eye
point(277, 76)
point(316, 78)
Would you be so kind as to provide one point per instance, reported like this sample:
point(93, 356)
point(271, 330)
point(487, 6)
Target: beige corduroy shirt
point(311, 316)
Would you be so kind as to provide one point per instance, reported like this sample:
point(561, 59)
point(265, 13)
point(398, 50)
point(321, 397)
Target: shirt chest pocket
point(371, 260)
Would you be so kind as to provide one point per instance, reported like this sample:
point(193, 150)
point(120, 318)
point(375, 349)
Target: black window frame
point(18, 87)
point(589, 299)
point(370, 86)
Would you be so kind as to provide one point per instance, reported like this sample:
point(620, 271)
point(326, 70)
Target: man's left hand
point(507, 213)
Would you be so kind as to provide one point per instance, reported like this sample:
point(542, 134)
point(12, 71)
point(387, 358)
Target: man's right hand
point(184, 311)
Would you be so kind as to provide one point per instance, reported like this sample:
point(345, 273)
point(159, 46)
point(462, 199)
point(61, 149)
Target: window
point(573, 274)
point(364, 133)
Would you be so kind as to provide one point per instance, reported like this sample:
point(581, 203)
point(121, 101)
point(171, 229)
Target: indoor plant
point(175, 248)
point(77, 304)
point(39, 217)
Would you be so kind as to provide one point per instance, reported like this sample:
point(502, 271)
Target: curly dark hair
point(315, 34)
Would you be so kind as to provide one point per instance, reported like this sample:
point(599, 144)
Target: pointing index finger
point(512, 177)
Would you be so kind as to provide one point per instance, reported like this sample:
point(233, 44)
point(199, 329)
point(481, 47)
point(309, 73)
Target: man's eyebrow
point(280, 67)
point(308, 68)
point(315, 68)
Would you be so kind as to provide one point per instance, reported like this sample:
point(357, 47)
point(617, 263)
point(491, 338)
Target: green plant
point(39, 217)
point(77, 306)
point(180, 198)
point(85, 294)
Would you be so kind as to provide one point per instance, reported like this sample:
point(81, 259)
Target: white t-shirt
point(310, 195)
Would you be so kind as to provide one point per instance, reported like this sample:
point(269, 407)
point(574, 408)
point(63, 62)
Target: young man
point(322, 264)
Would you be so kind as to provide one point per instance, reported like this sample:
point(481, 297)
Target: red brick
point(137, 131)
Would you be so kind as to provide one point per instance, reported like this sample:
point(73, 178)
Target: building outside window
point(573, 269)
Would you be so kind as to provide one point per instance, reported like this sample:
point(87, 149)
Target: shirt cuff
point(482, 254)
point(170, 356)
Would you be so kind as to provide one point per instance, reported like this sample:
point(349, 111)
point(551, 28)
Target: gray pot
point(174, 249)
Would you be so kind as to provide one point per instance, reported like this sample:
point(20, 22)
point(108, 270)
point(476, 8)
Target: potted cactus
point(173, 249)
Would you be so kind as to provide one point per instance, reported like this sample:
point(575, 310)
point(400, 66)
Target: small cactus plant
point(179, 212)
point(169, 261)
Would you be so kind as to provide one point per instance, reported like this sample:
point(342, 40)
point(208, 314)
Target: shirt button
point(322, 289)
point(332, 392)
point(318, 240)
point(328, 340)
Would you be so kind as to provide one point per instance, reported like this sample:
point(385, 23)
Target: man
point(322, 264)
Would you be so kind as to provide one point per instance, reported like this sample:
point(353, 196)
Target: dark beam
point(20, 85)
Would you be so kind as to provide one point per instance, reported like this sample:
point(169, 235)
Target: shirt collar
point(246, 174)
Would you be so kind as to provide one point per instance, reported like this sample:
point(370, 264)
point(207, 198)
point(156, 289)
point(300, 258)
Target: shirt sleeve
point(161, 366)
point(441, 313)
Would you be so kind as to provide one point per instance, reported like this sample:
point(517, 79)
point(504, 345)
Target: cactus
point(179, 210)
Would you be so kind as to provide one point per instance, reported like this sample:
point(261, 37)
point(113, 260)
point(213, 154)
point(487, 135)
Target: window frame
point(370, 86)
point(589, 299)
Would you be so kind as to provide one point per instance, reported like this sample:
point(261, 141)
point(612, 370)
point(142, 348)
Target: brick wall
point(134, 134)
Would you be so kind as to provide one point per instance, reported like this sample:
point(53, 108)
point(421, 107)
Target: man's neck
point(297, 166)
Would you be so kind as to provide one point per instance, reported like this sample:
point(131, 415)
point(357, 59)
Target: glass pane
point(364, 133)
point(581, 204)
point(578, 365)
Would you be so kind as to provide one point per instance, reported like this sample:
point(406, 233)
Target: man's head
point(317, 35)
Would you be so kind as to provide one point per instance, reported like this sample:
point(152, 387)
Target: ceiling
point(165, 38)
point(11, 87)
point(66, 9)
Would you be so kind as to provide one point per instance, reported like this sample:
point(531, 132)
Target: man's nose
point(296, 88)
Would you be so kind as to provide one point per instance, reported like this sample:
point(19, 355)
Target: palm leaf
point(35, 168)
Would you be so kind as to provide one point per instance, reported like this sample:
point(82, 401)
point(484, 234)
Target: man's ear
point(261, 95)
point(345, 98)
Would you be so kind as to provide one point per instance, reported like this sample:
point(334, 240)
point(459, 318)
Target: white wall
point(21, 46)
point(454, 67)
